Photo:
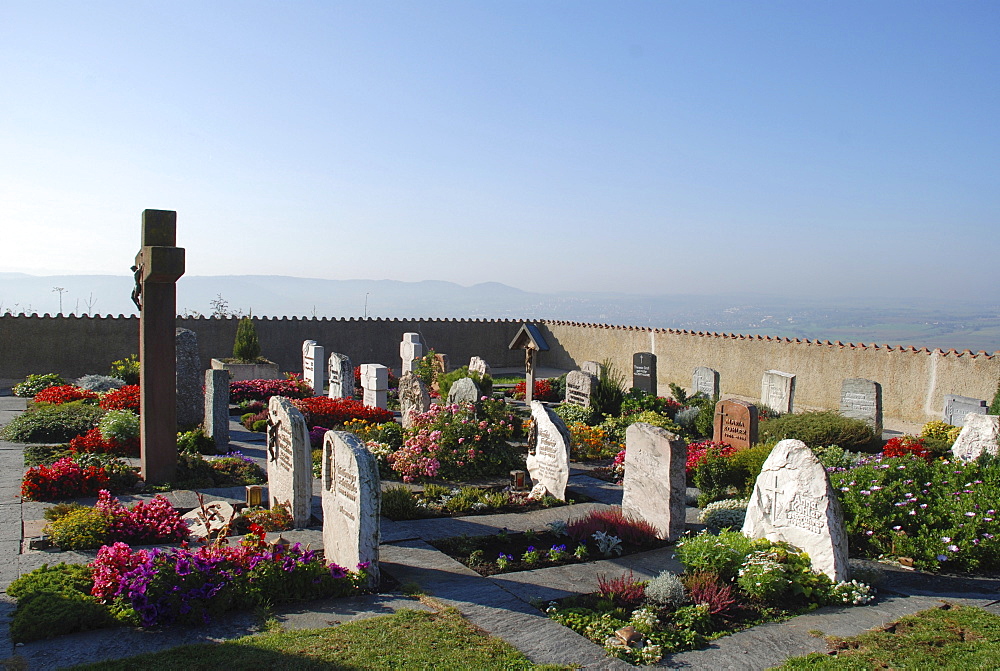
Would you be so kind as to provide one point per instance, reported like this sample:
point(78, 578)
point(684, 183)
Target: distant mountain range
point(890, 321)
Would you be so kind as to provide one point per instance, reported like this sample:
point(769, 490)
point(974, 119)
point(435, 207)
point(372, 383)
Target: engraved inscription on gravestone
point(644, 372)
point(777, 390)
point(862, 399)
point(340, 372)
point(706, 381)
point(548, 465)
point(591, 367)
point(735, 423)
point(579, 386)
point(351, 497)
point(289, 459)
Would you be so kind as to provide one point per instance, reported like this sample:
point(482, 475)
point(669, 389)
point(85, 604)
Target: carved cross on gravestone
point(774, 491)
point(158, 266)
point(272, 439)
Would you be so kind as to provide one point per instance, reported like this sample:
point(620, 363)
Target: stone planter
point(249, 371)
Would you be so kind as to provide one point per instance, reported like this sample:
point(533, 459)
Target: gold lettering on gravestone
point(805, 512)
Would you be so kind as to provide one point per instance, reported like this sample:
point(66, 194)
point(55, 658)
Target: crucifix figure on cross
point(272, 439)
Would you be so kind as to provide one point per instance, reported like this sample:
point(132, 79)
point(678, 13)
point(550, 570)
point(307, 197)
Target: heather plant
point(611, 522)
point(820, 428)
point(939, 513)
point(399, 503)
point(52, 423)
point(234, 470)
point(35, 383)
point(623, 590)
point(100, 383)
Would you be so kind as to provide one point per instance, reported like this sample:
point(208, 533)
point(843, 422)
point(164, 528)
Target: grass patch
point(948, 637)
point(407, 639)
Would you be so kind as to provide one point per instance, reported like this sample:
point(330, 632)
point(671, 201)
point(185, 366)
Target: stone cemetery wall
point(914, 381)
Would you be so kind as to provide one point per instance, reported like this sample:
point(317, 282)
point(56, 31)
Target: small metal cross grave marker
point(158, 266)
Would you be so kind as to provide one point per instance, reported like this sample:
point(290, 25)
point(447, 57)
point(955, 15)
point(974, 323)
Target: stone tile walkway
point(502, 605)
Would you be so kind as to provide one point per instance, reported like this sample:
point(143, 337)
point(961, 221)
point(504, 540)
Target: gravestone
point(313, 357)
point(735, 423)
point(440, 365)
point(352, 498)
point(548, 463)
point(957, 407)
point(862, 399)
point(410, 349)
point(464, 390)
point(289, 460)
point(208, 522)
point(793, 501)
point(644, 372)
point(375, 383)
point(591, 367)
point(190, 398)
point(655, 486)
point(158, 266)
point(414, 398)
point(217, 408)
point(479, 365)
point(706, 381)
point(340, 376)
point(579, 387)
point(777, 390)
point(979, 435)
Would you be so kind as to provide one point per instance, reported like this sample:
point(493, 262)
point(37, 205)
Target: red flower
point(63, 394)
point(126, 398)
point(901, 446)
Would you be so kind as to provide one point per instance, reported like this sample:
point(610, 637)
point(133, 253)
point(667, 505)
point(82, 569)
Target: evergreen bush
point(52, 423)
point(821, 428)
point(246, 348)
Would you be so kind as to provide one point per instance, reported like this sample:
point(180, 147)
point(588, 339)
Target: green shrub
point(234, 471)
point(55, 600)
point(666, 589)
point(750, 461)
point(425, 367)
point(763, 578)
point(719, 477)
point(434, 492)
point(615, 427)
point(122, 476)
point(246, 347)
point(52, 423)
point(834, 456)
point(399, 503)
point(119, 425)
point(195, 442)
point(608, 394)
point(995, 405)
point(35, 455)
point(725, 514)
point(558, 385)
point(465, 500)
point(126, 369)
point(260, 426)
point(821, 428)
point(100, 382)
point(35, 383)
point(722, 554)
point(572, 413)
point(193, 472)
point(484, 382)
point(82, 528)
point(54, 512)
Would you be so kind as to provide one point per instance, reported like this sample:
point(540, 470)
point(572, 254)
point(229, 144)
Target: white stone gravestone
point(313, 357)
point(207, 522)
point(705, 380)
point(410, 349)
point(375, 382)
point(579, 386)
point(793, 501)
point(979, 435)
point(591, 367)
point(464, 390)
point(862, 399)
point(289, 460)
point(340, 376)
point(479, 365)
point(549, 464)
point(414, 398)
point(777, 390)
point(352, 497)
point(655, 487)
point(957, 408)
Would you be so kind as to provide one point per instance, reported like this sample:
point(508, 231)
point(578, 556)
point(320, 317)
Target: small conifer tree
point(246, 349)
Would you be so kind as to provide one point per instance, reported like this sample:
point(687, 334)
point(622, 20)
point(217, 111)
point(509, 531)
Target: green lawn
point(941, 638)
point(408, 639)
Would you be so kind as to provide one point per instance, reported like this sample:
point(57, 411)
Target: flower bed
point(85, 527)
point(181, 585)
point(64, 479)
point(325, 411)
point(599, 534)
point(401, 503)
point(125, 398)
point(263, 390)
point(63, 394)
point(730, 583)
point(93, 441)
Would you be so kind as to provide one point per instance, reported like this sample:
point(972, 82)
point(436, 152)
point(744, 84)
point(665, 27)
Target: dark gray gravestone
point(579, 386)
point(644, 372)
point(706, 381)
point(862, 399)
point(957, 407)
point(217, 408)
point(190, 402)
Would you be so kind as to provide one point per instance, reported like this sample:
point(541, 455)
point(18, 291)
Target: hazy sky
point(839, 148)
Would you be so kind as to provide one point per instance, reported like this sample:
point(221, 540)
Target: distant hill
point(870, 320)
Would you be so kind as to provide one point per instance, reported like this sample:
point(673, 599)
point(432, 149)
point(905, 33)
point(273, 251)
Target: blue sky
point(823, 149)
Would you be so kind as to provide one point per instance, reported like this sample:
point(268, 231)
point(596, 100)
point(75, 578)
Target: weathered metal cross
point(158, 266)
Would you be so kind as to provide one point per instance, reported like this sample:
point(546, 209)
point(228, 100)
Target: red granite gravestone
point(158, 265)
point(735, 423)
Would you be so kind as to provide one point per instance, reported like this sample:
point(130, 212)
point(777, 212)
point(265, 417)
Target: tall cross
point(158, 266)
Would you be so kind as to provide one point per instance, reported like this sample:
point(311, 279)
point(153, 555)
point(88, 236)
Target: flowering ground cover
point(401, 503)
point(85, 527)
